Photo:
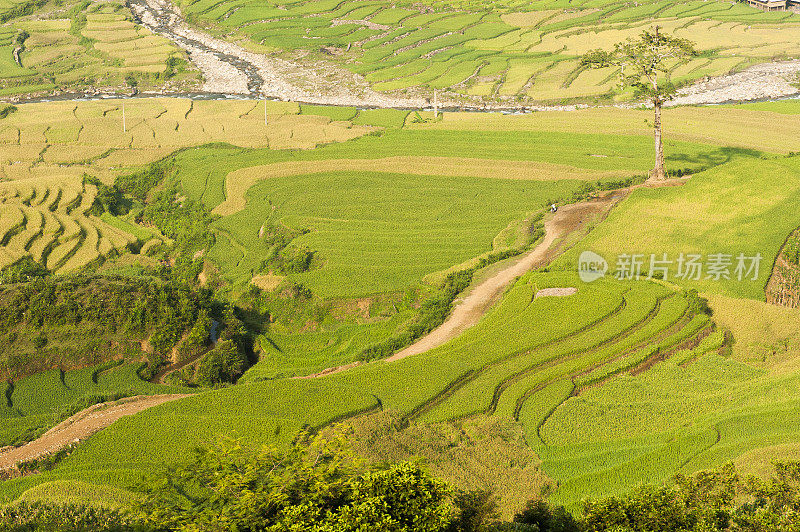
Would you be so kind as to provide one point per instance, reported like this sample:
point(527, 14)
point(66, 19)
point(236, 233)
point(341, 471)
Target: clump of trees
point(77, 321)
point(180, 218)
point(315, 486)
point(709, 501)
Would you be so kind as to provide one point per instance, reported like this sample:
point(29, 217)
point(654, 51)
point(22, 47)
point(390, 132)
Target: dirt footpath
point(470, 310)
point(81, 426)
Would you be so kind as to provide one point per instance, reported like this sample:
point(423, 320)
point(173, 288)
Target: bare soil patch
point(81, 426)
point(556, 292)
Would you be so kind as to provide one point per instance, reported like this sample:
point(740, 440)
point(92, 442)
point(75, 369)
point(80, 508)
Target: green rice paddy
point(498, 49)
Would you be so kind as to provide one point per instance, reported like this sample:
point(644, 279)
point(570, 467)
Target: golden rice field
point(47, 148)
point(75, 46)
point(137, 47)
point(45, 218)
point(42, 139)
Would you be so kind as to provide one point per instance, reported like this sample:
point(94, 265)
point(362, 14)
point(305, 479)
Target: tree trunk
point(658, 173)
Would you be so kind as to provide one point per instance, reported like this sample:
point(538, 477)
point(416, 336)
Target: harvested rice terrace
point(46, 220)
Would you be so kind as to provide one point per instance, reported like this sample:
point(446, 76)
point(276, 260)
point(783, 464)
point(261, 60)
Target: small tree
point(642, 63)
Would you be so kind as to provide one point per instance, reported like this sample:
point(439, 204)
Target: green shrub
point(223, 364)
point(316, 485)
point(38, 516)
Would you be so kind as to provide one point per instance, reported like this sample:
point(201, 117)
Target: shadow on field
point(699, 162)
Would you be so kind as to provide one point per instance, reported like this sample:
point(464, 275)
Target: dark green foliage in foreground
point(710, 501)
point(64, 518)
point(538, 514)
point(475, 510)
point(25, 269)
point(312, 487)
point(319, 486)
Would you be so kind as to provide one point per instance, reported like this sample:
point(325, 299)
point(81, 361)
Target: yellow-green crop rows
point(78, 46)
point(498, 48)
point(46, 220)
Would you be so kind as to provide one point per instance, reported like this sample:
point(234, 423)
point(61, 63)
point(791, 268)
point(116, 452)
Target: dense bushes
point(139, 184)
point(23, 270)
point(71, 322)
point(224, 363)
point(319, 486)
point(281, 257)
point(697, 304)
point(710, 501)
point(109, 199)
point(180, 218)
point(26, 517)
point(316, 486)
point(6, 109)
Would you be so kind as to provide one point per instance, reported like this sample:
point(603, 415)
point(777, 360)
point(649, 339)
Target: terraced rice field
point(35, 403)
point(74, 138)
point(86, 45)
point(500, 48)
point(46, 219)
point(545, 362)
point(137, 48)
point(696, 222)
point(556, 343)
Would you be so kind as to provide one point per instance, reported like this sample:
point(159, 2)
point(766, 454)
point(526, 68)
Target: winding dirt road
point(558, 227)
point(562, 230)
point(81, 426)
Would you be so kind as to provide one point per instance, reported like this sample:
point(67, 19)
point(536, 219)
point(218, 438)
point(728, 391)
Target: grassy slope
point(380, 232)
point(259, 410)
point(708, 215)
point(35, 403)
point(430, 199)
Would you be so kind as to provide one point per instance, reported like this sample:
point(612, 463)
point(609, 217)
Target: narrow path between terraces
point(80, 426)
point(569, 221)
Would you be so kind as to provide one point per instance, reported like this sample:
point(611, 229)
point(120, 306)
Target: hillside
point(255, 274)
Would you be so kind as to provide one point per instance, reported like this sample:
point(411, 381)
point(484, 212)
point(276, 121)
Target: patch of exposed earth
point(759, 82)
point(79, 427)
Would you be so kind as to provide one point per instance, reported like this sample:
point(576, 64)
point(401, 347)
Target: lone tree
point(642, 62)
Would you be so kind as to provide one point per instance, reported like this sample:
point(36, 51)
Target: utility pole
point(435, 105)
